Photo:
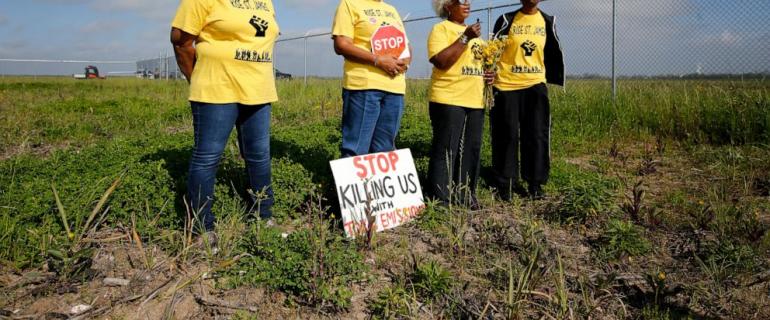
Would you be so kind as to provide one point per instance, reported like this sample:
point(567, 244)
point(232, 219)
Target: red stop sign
point(388, 40)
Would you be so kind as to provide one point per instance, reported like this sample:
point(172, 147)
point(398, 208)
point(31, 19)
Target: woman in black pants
point(456, 105)
point(532, 58)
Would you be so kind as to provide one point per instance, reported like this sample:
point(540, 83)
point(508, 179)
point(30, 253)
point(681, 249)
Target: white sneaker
point(208, 240)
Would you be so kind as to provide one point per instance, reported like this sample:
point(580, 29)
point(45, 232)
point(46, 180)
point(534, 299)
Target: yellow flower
point(661, 276)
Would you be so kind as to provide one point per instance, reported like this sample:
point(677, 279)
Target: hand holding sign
point(391, 65)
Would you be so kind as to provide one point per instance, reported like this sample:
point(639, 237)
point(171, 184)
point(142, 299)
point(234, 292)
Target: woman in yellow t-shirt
point(371, 37)
point(456, 105)
point(225, 50)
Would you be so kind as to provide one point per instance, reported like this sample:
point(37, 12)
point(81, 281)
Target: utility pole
point(306, 57)
point(489, 20)
point(614, 75)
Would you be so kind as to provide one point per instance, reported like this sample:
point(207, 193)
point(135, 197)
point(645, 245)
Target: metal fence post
point(614, 76)
point(275, 58)
point(489, 20)
point(305, 59)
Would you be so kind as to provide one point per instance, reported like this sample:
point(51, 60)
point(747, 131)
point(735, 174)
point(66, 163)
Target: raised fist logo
point(477, 52)
point(529, 47)
point(260, 25)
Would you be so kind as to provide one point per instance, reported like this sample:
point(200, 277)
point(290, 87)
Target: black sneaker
point(206, 241)
point(507, 194)
point(536, 192)
point(474, 204)
point(504, 195)
point(519, 190)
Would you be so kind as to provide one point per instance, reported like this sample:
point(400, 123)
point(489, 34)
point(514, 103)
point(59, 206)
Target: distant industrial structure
point(158, 68)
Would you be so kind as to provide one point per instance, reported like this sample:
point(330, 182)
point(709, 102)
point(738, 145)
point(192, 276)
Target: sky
point(653, 37)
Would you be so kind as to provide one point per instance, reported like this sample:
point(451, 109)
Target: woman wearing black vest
point(522, 109)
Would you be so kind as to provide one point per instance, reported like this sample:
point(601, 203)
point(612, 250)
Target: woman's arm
point(344, 46)
point(184, 51)
point(407, 61)
point(447, 57)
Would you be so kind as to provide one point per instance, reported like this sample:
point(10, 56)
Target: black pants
point(455, 153)
point(521, 114)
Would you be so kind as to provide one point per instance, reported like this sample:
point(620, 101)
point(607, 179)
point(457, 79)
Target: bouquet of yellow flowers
point(489, 53)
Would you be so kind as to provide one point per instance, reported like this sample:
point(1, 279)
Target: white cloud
point(61, 1)
point(309, 3)
point(158, 10)
point(599, 12)
point(728, 37)
point(10, 48)
point(102, 26)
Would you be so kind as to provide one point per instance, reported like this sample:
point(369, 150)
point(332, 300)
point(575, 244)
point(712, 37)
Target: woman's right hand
point(391, 65)
point(473, 31)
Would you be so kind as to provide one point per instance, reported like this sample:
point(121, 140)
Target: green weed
point(582, 196)
point(317, 270)
point(431, 280)
point(391, 303)
point(622, 239)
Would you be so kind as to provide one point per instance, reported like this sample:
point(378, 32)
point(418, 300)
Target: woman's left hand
point(406, 62)
point(489, 77)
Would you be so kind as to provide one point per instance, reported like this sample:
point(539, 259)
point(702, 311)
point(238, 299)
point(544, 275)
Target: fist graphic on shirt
point(260, 25)
point(529, 47)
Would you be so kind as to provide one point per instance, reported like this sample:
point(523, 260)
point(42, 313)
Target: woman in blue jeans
point(374, 83)
point(231, 85)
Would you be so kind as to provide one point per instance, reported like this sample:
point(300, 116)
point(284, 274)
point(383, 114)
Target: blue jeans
point(370, 121)
point(212, 125)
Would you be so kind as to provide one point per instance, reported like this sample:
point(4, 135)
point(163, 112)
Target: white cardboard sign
point(379, 187)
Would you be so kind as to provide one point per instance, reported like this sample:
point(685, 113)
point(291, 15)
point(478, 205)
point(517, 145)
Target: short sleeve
point(437, 40)
point(191, 16)
point(343, 21)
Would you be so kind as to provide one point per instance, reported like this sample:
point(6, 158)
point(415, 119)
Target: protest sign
point(389, 40)
point(381, 188)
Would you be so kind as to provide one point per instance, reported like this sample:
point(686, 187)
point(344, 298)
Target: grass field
point(658, 208)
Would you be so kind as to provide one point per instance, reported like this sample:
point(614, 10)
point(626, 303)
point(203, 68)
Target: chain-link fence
point(604, 39)
point(311, 54)
point(47, 67)
point(601, 39)
point(159, 67)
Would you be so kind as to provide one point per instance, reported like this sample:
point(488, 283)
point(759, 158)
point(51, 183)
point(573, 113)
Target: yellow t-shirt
point(358, 20)
point(234, 49)
point(462, 84)
point(522, 64)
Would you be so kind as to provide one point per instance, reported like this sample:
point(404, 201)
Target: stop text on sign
point(388, 43)
point(388, 40)
point(372, 164)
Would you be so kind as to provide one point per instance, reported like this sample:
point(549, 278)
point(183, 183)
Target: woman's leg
point(389, 121)
point(212, 124)
point(253, 126)
point(447, 122)
point(504, 132)
point(360, 112)
point(535, 136)
point(471, 153)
